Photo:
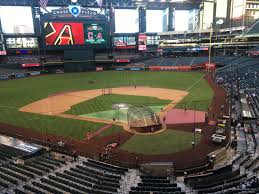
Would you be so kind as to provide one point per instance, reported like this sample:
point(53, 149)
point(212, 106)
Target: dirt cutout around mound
point(59, 103)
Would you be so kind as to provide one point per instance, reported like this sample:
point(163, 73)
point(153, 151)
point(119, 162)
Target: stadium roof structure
point(178, 4)
point(252, 31)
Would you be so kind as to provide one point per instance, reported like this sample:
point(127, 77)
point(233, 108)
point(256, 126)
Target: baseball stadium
point(129, 97)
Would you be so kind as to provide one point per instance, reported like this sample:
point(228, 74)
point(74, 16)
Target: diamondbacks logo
point(57, 33)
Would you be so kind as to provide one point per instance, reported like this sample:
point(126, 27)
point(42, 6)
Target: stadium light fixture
point(73, 1)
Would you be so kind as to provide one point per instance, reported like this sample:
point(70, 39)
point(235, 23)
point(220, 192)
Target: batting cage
point(143, 119)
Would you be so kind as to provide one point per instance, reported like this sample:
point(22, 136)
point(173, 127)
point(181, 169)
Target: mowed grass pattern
point(16, 93)
point(105, 102)
point(166, 142)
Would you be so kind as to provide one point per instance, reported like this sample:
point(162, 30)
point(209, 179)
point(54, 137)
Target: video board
point(19, 42)
point(238, 9)
point(64, 34)
point(125, 42)
point(95, 33)
point(16, 19)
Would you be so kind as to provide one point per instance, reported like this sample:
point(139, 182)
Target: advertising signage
point(125, 42)
point(70, 12)
point(142, 42)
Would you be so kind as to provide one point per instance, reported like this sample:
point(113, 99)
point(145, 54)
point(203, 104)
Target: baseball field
point(79, 95)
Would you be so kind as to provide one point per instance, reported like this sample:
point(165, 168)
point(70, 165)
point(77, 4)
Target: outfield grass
point(105, 102)
point(167, 142)
point(199, 97)
point(16, 93)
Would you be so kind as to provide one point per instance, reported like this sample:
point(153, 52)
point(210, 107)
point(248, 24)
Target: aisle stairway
point(130, 179)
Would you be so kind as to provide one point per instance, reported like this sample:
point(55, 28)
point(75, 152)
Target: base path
point(59, 103)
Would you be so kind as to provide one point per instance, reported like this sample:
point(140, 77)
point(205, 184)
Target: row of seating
point(13, 174)
point(224, 186)
point(242, 70)
point(238, 158)
point(9, 152)
point(106, 167)
point(252, 163)
point(89, 177)
point(181, 61)
point(209, 179)
point(224, 61)
point(20, 59)
point(253, 101)
point(245, 160)
point(156, 185)
point(220, 182)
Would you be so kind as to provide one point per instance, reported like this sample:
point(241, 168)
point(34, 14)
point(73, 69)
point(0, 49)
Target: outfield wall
point(19, 75)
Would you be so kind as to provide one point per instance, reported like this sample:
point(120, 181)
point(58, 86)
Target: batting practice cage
point(143, 119)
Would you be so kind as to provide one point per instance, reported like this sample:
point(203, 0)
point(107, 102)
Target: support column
point(111, 29)
point(196, 23)
point(229, 14)
point(36, 14)
point(142, 20)
point(214, 14)
point(35, 9)
point(171, 15)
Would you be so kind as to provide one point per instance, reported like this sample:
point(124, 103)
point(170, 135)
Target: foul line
point(195, 83)
point(8, 107)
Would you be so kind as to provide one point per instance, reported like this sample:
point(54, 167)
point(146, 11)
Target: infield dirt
point(57, 104)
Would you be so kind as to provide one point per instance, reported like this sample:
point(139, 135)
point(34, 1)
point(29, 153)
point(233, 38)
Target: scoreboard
point(95, 33)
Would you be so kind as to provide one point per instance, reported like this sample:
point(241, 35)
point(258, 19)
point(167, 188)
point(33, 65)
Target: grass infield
point(105, 102)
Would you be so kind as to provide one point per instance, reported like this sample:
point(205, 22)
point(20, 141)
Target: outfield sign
point(170, 68)
point(4, 77)
point(135, 69)
point(99, 68)
point(3, 53)
point(142, 42)
point(20, 75)
point(34, 73)
point(120, 69)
